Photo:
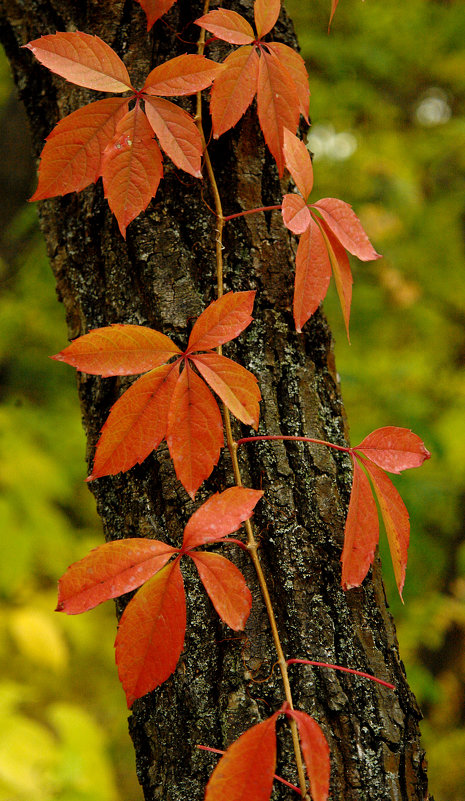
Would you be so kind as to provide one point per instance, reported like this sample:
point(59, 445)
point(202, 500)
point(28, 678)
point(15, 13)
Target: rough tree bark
point(163, 276)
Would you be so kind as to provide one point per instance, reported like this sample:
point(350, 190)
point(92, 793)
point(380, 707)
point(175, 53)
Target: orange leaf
point(361, 532)
point(228, 26)
point(183, 75)
point(396, 520)
point(154, 9)
point(218, 517)
point(277, 103)
point(131, 168)
point(245, 772)
point(266, 12)
point(195, 431)
point(296, 214)
point(73, 151)
point(82, 59)
point(151, 633)
point(137, 423)
point(295, 65)
point(312, 274)
point(234, 89)
point(394, 449)
point(118, 350)
point(315, 750)
point(177, 133)
point(235, 385)
point(226, 588)
point(334, 4)
point(222, 320)
point(108, 571)
point(298, 162)
point(341, 271)
point(346, 227)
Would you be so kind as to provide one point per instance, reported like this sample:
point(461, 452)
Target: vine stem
point(275, 437)
point(252, 545)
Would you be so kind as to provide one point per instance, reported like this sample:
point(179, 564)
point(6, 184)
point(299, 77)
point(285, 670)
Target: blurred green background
point(388, 113)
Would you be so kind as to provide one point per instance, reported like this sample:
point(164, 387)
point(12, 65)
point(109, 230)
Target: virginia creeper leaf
point(137, 422)
point(131, 168)
point(334, 4)
point(226, 588)
point(277, 105)
point(236, 386)
point(220, 515)
point(298, 162)
point(82, 59)
point(266, 12)
point(183, 75)
point(312, 274)
point(72, 155)
point(396, 520)
point(315, 751)
point(341, 271)
point(110, 570)
point(154, 9)
point(296, 214)
point(346, 227)
point(245, 772)
point(222, 320)
point(177, 133)
point(294, 63)
point(228, 26)
point(151, 633)
point(361, 532)
point(394, 449)
point(195, 431)
point(118, 350)
point(234, 89)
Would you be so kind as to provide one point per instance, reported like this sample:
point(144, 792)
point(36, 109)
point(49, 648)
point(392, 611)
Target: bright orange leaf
point(218, 517)
point(234, 89)
point(394, 449)
point(312, 274)
point(315, 751)
point(177, 133)
point(222, 320)
point(226, 588)
point(361, 532)
point(154, 9)
point(266, 13)
point(236, 386)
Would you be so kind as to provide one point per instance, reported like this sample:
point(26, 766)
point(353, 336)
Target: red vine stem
point(250, 211)
point(294, 439)
point(343, 669)
point(232, 447)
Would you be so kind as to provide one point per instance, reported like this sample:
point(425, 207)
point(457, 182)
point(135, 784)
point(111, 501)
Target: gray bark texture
point(163, 276)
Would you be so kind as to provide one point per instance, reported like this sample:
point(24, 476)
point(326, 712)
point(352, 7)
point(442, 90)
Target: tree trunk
point(163, 276)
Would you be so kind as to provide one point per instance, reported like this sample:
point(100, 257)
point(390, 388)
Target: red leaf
point(177, 133)
point(82, 59)
point(361, 532)
point(154, 9)
point(295, 65)
point(234, 89)
point(151, 633)
point(235, 385)
point(298, 162)
point(277, 103)
point(346, 227)
point(222, 320)
point(218, 517)
point(296, 214)
point(341, 271)
point(334, 4)
point(72, 154)
point(195, 431)
point(315, 750)
point(226, 588)
point(396, 521)
point(131, 168)
point(266, 12)
point(394, 449)
point(108, 571)
point(228, 26)
point(183, 75)
point(137, 423)
point(245, 772)
point(312, 274)
point(118, 350)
